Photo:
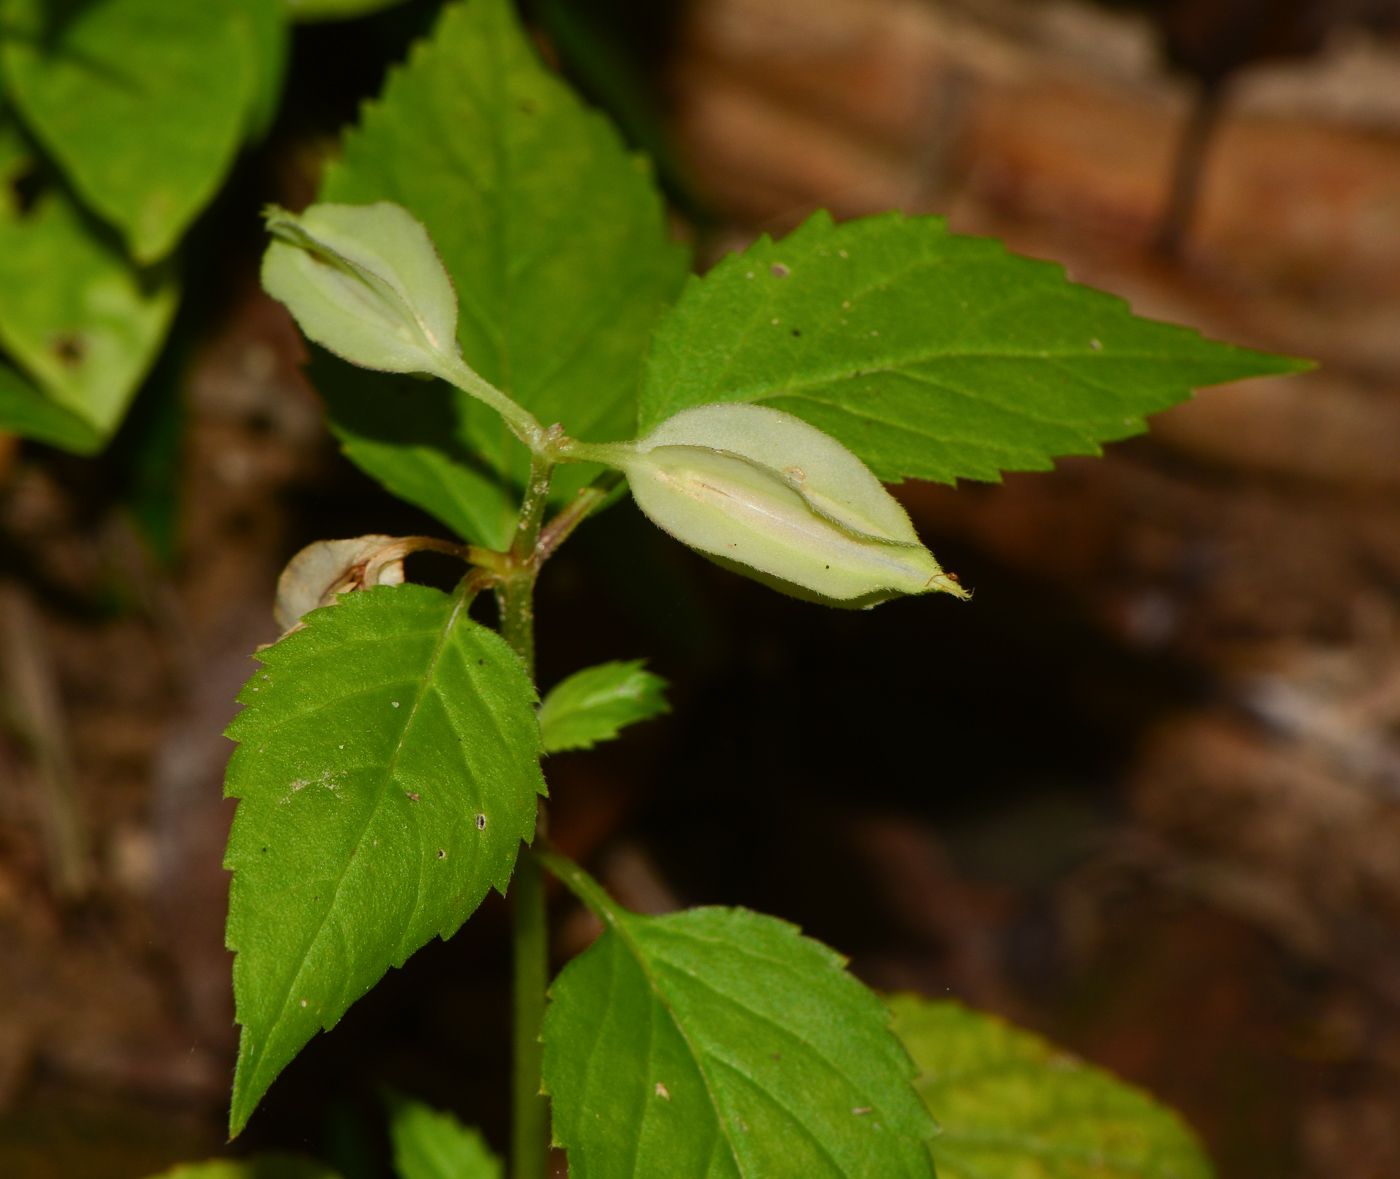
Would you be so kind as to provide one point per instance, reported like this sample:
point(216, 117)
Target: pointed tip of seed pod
point(948, 583)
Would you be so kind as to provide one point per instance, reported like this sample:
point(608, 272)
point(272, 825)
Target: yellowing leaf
point(1009, 1103)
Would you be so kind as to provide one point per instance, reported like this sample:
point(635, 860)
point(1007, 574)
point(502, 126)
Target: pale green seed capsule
point(773, 497)
point(365, 282)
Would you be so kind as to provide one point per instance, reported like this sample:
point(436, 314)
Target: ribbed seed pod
point(765, 493)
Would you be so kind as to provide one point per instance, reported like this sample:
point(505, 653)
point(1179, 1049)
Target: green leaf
point(594, 704)
point(312, 10)
point(409, 435)
point(592, 41)
point(720, 1042)
point(15, 157)
point(1010, 1103)
point(27, 412)
point(261, 1166)
point(932, 356)
point(74, 312)
point(388, 768)
point(272, 45)
point(142, 102)
point(554, 235)
point(432, 1145)
point(147, 456)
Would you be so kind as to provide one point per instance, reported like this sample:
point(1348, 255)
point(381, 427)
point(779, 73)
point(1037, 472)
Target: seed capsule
point(765, 493)
point(326, 568)
point(365, 282)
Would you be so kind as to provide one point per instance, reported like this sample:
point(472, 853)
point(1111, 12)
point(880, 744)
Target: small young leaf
point(772, 497)
point(720, 1042)
point(1009, 1103)
point(27, 412)
point(432, 1145)
point(555, 236)
point(142, 102)
point(388, 764)
point(930, 355)
point(594, 704)
point(75, 313)
point(365, 282)
point(260, 1166)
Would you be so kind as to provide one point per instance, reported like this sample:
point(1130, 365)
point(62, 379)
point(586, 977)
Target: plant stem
point(530, 1113)
point(557, 531)
point(516, 592)
point(577, 881)
point(523, 424)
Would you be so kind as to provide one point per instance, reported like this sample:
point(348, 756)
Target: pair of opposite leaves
point(754, 488)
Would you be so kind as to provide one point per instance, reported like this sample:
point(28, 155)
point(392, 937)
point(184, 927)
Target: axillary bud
point(763, 492)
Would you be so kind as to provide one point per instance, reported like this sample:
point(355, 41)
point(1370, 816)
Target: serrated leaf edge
point(615, 918)
point(238, 1118)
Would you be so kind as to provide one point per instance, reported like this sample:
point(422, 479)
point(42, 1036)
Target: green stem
point(524, 425)
point(610, 454)
point(530, 1115)
point(578, 882)
point(515, 593)
point(557, 531)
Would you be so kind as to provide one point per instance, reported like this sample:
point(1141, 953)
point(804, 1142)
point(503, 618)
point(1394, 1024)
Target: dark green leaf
point(27, 412)
point(594, 704)
point(387, 767)
point(142, 102)
point(554, 235)
point(432, 1145)
point(272, 44)
point(73, 311)
point(1009, 1103)
point(311, 10)
point(409, 435)
point(592, 41)
point(720, 1042)
point(260, 1166)
point(147, 455)
point(15, 156)
point(930, 355)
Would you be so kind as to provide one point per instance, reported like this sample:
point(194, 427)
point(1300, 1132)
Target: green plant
point(120, 120)
point(483, 229)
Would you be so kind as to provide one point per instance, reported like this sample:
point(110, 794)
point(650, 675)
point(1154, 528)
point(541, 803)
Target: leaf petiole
point(577, 881)
point(561, 527)
point(523, 424)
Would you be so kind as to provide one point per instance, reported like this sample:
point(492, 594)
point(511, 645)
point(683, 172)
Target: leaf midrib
point(620, 928)
point(619, 925)
point(762, 310)
point(898, 364)
point(786, 1034)
point(458, 605)
point(922, 431)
